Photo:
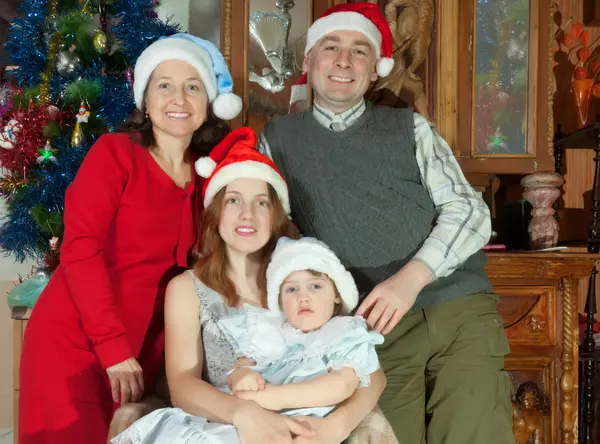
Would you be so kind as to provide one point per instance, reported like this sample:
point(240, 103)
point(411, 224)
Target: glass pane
point(501, 71)
point(198, 17)
point(274, 64)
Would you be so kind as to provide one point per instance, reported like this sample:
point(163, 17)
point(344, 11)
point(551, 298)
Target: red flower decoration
point(584, 38)
point(576, 30)
point(567, 39)
point(584, 54)
point(580, 73)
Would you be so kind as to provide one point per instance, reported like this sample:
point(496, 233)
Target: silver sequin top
point(218, 354)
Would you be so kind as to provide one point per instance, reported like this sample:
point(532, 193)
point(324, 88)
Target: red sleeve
point(91, 203)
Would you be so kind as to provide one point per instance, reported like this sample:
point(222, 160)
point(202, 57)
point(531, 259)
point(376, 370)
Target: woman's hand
point(326, 431)
point(126, 381)
point(258, 426)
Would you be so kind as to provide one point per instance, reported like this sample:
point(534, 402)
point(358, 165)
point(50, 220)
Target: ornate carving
point(536, 324)
point(551, 88)
point(567, 384)
point(411, 31)
point(227, 6)
point(529, 407)
point(541, 190)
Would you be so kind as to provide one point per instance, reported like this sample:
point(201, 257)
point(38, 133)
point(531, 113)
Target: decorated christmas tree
point(72, 83)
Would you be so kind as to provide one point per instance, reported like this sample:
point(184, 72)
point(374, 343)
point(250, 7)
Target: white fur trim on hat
point(384, 66)
point(248, 169)
point(303, 254)
point(227, 106)
point(173, 49)
point(205, 166)
point(343, 21)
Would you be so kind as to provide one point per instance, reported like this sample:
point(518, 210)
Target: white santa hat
point(236, 157)
point(304, 254)
point(202, 55)
point(365, 18)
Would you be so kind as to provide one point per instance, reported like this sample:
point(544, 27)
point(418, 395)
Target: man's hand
point(268, 398)
point(389, 301)
point(327, 431)
point(243, 379)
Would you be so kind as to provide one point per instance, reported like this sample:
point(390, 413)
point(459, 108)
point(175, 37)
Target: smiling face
point(176, 99)
point(308, 299)
point(245, 224)
point(340, 68)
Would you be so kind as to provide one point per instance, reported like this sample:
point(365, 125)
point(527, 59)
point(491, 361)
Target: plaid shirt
point(463, 224)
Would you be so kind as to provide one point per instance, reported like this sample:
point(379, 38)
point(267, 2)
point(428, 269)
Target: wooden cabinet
point(539, 306)
point(494, 84)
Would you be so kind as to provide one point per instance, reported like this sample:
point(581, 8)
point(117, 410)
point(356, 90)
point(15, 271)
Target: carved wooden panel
point(528, 314)
point(542, 372)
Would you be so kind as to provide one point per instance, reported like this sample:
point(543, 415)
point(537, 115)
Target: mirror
point(198, 17)
point(277, 32)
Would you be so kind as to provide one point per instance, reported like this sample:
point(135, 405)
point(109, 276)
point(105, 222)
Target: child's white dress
point(283, 355)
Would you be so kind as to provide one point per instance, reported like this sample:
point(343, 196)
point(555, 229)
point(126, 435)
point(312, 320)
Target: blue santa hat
point(202, 55)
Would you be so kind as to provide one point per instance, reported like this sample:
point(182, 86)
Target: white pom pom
point(384, 66)
point(227, 106)
point(205, 166)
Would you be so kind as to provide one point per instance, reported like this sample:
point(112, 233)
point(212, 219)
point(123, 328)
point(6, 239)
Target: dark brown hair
point(211, 266)
point(210, 133)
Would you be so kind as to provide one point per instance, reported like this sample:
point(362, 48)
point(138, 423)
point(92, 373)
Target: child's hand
point(244, 379)
point(267, 398)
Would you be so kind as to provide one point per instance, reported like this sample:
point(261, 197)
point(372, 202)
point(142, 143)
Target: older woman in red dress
point(95, 337)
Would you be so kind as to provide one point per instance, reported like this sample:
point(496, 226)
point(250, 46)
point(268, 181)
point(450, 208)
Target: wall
point(9, 273)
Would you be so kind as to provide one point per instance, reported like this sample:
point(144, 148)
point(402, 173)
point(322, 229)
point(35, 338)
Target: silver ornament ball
point(67, 63)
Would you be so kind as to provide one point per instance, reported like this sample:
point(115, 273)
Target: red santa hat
point(365, 18)
point(235, 158)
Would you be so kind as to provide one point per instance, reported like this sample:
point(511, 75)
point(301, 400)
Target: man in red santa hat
point(383, 189)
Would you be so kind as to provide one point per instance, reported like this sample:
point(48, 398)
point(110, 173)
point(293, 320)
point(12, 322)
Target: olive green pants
point(446, 382)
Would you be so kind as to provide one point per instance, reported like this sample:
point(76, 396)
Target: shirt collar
point(339, 121)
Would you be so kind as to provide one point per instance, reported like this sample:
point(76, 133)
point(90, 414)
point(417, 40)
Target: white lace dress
point(283, 355)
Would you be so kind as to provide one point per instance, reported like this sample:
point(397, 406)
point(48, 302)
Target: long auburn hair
point(212, 264)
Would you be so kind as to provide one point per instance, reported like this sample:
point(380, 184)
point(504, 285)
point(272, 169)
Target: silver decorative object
point(270, 80)
point(67, 62)
point(271, 30)
point(5, 95)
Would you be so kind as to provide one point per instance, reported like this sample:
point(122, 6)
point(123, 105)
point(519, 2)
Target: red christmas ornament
point(27, 140)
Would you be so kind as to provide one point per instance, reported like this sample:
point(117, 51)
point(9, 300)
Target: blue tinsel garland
point(26, 45)
point(136, 29)
point(135, 26)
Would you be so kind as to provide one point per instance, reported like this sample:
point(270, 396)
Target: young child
point(309, 353)
point(315, 355)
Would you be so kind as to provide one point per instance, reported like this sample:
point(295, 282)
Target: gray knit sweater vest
point(360, 192)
